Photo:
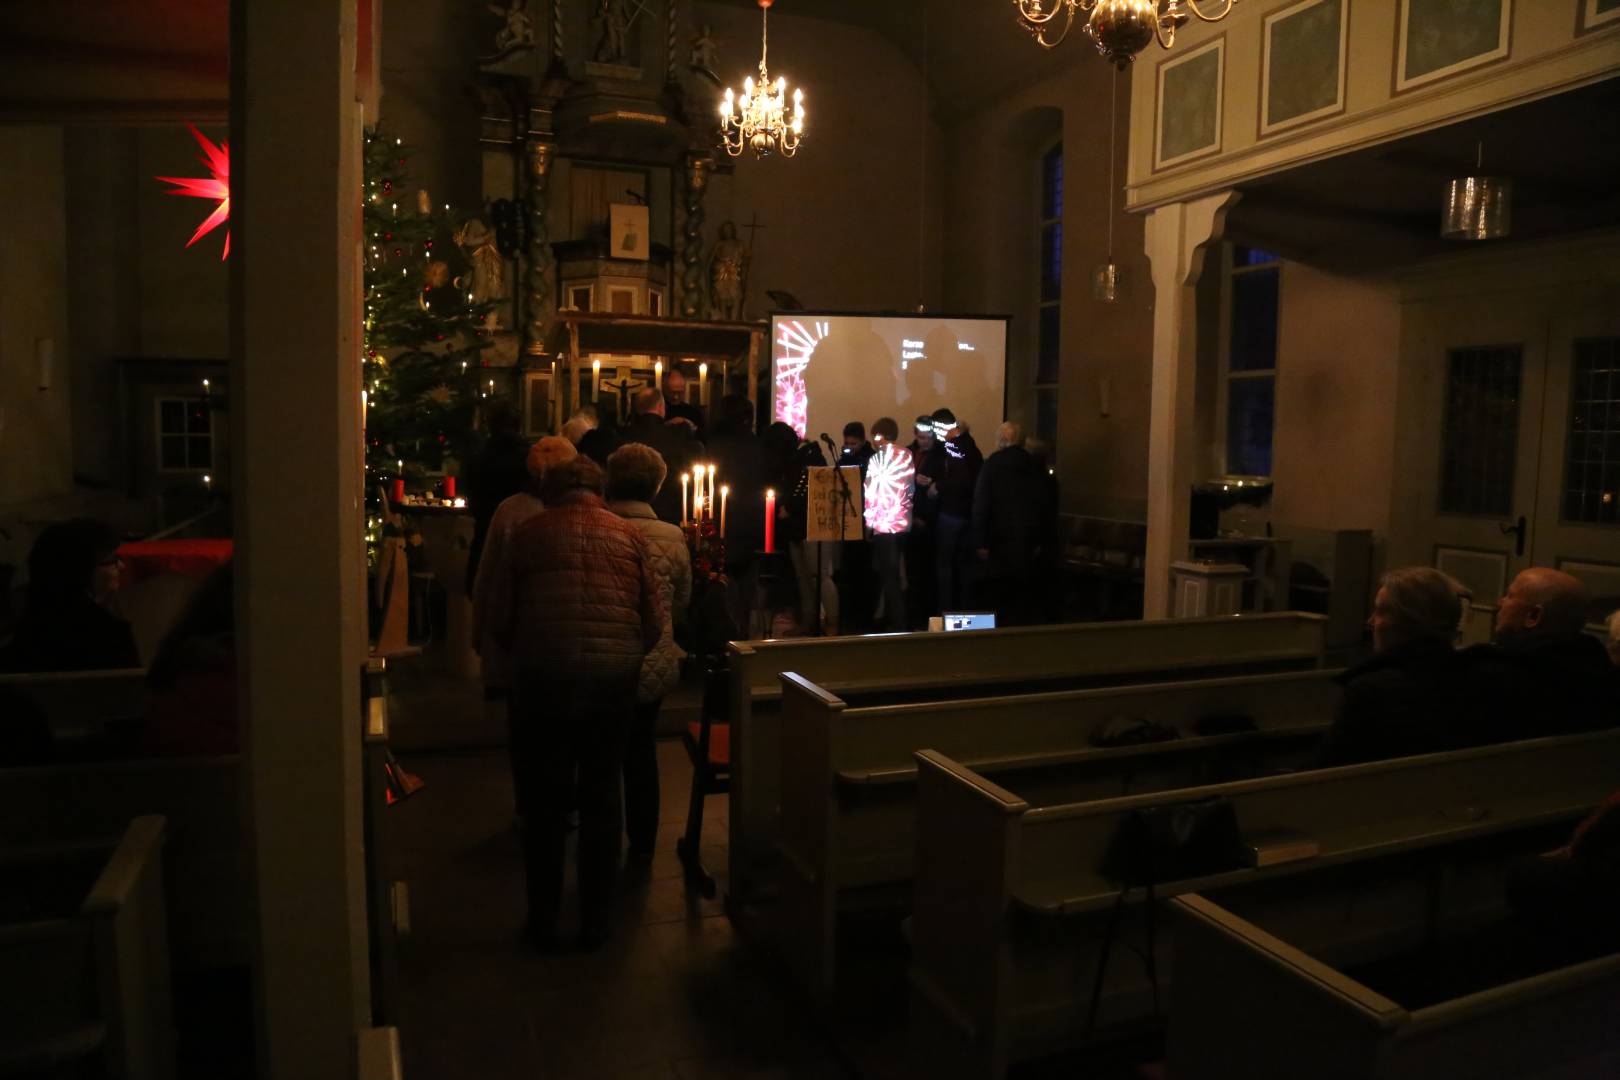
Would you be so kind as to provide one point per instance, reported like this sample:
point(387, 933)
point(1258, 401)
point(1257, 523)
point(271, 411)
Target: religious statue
point(612, 26)
point(486, 280)
point(518, 33)
point(728, 275)
point(705, 56)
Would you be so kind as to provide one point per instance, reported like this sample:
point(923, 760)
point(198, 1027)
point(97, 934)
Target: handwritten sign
point(827, 502)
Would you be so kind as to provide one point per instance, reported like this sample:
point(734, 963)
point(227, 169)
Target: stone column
point(1177, 239)
point(540, 305)
point(298, 521)
point(699, 164)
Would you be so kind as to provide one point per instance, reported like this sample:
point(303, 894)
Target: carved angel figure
point(518, 33)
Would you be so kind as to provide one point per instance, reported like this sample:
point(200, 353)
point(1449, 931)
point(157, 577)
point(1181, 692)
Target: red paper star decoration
point(217, 159)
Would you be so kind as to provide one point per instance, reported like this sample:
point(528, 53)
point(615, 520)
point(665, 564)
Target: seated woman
point(73, 572)
point(1405, 698)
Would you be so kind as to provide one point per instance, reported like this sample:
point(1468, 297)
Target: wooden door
point(1481, 369)
point(1577, 509)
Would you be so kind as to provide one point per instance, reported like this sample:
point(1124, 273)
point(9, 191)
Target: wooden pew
point(849, 776)
point(76, 705)
point(84, 966)
point(1011, 907)
point(1248, 1004)
point(206, 846)
point(923, 666)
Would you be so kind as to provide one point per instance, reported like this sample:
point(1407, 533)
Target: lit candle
point(725, 490)
point(492, 388)
point(770, 521)
point(658, 373)
point(364, 405)
point(205, 388)
point(208, 482)
point(596, 380)
point(711, 491)
point(703, 384)
point(685, 479)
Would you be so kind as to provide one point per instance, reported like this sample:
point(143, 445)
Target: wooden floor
point(673, 995)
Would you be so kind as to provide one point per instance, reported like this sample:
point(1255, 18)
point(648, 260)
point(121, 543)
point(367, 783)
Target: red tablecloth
point(195, 558)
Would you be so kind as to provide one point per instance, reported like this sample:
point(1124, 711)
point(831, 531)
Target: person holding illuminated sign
point(890, 477)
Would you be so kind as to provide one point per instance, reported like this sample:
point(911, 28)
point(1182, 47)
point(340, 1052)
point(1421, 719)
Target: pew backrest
point(933, 665)
point(205, 836)
point(1384, 806)
point(1246, 1003)
point(77, 703)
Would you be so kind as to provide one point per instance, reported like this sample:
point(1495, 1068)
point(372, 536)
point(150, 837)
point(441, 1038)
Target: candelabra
point(760, 117)
point(1120, 28)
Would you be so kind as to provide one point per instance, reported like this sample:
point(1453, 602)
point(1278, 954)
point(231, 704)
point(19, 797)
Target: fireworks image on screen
point(794, 345)
point(889, 479)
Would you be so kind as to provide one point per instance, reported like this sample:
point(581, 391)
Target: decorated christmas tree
point(424, 336)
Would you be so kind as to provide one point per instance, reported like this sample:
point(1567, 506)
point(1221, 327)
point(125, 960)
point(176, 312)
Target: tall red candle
point(399, 490)
point(449, 487)
point(770, 522)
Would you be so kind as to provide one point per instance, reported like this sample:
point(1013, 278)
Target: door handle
point(1518, 528)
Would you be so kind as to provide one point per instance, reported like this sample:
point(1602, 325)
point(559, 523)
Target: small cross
point(752, 225)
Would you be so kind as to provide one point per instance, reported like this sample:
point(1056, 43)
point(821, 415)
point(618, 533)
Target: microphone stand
point(846, 503)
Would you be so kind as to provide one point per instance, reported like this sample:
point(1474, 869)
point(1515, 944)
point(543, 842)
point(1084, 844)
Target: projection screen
point(830, 368)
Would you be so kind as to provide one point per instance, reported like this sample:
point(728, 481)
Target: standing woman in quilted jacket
point(635, 472)
point(583, 610)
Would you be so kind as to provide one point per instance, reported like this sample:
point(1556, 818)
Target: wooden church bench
point(1011, 907)
point(206, 839)
point(924, 666)
point(77, 706)
point(1250, 1004)
point(849, 776)
point(84, 965)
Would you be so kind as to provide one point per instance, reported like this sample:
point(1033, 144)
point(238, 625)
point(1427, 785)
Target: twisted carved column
point(698, 167)
point(541, 302)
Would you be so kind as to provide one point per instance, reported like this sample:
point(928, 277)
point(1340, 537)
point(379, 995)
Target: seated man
point(1542, 674)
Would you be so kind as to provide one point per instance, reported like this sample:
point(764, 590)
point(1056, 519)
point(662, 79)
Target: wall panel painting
point(1187, 124)
point(1436, 39)
point(1596, 14)
point(1302, 63)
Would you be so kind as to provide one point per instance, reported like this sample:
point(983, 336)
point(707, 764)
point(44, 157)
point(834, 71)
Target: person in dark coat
point(1542, 674)
point(953, 494)
point(1407, 697)
point(739, 463)
point(584, 608)
point(66, 624)
point(676, 407)
point(1014, 525)
point(675, 443)
point(929, 456)
point(499, 470)
point(857, 592)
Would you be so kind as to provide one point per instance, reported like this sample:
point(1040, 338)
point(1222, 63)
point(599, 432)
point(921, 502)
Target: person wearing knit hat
point(493, 573)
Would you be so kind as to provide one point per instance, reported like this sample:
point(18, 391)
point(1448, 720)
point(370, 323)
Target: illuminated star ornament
point(794, 344)
point(217, 160)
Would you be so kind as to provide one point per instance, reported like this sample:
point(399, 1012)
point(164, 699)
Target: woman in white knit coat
point(635, 472)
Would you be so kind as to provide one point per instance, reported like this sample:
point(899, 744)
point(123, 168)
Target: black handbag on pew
point(1164, 843)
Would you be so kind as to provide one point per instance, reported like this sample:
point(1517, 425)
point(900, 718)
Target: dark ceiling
point(972, 50)
point(1383, 203)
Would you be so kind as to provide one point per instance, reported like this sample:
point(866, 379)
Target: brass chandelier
point(1120, 28)
point(760, 117)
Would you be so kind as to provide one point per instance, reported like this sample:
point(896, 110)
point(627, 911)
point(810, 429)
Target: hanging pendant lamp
point(1477, 207)
point(1107, 278)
